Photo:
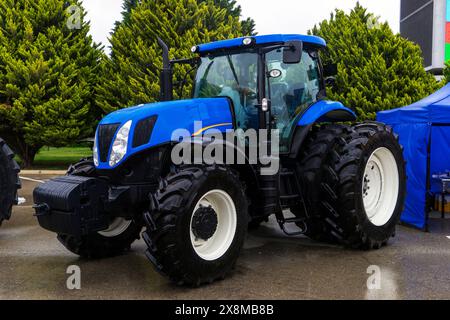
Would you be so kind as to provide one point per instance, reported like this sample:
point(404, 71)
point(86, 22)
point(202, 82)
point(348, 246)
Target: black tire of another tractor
point(312, 167)
point(9, 181)
point(341, 195)
point(168, 224)
point(96, 246)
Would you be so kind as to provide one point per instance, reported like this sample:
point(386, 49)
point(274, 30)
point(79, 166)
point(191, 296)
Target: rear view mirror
point(330, 70)
point(331, 82)
point(292, 54)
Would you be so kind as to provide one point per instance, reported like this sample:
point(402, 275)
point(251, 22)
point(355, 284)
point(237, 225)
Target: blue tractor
point(335, 182)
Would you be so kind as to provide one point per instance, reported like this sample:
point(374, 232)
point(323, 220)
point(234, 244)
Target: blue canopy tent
point(424, 130)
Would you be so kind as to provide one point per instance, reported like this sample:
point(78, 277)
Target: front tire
point(113, 241)
point(197, 224)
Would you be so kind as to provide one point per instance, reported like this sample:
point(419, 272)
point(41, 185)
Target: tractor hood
point(155, 124)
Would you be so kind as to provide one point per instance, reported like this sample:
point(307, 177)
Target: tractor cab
point(270, 80)
point(286, 72)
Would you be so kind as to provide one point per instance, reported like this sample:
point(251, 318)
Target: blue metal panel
point(318, 112)
point(266, 39)
point(172, 116)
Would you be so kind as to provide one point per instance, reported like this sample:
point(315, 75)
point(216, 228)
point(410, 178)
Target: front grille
point(143, 131)
point(105, 136)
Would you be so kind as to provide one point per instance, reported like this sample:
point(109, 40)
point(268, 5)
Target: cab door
point(292, 89)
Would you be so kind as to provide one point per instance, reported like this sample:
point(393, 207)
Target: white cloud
point(102, 14)
point(271, 16)
point(298, 16)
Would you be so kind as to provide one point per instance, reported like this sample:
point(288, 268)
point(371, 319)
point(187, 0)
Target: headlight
point(120, 145)
point(96, 163)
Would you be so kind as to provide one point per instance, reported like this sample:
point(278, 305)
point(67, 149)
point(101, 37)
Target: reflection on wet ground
point(416, 265)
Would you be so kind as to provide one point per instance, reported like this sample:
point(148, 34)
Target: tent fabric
point(440, 154)
point(433, 109)
point(420, 126)
point(414, 139)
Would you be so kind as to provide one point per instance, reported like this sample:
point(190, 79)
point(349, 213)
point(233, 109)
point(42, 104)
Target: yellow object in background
point(438, 205)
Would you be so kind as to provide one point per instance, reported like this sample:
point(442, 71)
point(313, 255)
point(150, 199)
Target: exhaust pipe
point(166, 78)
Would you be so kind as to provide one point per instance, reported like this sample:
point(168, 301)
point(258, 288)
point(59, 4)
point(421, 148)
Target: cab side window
point(293, 91)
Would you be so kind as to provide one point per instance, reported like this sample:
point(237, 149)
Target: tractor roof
point(266, 39)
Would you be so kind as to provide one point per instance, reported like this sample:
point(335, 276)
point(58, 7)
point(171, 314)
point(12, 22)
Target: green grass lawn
point(59, 158)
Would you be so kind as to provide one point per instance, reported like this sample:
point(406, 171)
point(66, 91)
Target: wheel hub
point(380, 185)
point(204, 223)
point(213, 225)
point(372, 184)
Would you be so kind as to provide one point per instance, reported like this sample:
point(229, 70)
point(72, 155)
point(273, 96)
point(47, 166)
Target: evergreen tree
point(233, 9)
point(127, 6)
point(378, 70)
point(248, 25)
point(447, 72)
point(136, 59)
point(47, 75)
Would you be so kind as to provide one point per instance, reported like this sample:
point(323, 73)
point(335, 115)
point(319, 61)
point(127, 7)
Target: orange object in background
point(438, 205)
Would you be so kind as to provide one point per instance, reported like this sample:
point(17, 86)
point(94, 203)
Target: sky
point(271, 16)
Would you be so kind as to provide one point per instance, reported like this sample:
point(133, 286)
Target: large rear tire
point(197, 224)
point(363, 193)
point(312, 168)
point(9, 181)
point(114, 241)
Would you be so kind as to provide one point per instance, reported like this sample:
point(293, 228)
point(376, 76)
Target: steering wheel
point(246, 93)
point(249, 93)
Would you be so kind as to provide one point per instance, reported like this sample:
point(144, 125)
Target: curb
point(44, 172)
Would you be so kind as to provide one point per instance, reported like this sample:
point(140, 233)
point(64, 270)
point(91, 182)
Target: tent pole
point(428, 193)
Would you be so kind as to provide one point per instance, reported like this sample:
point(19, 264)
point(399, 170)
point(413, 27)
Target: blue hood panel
point(212, 112)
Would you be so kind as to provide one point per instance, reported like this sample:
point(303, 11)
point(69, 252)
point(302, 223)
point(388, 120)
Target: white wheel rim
point(116, 228)
point(216, 246)
point(380, 186)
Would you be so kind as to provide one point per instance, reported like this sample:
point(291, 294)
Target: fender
point(248, 171)
point(321, 111)
point(168, 117)
point(326, 111)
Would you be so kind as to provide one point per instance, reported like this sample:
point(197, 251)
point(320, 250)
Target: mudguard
point(319, 112)
point(326, 111)
point(186, 117)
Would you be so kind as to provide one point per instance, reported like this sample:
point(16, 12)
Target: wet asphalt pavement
point(416, 265)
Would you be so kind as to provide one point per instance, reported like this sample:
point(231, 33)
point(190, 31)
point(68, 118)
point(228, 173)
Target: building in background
point(427, 23)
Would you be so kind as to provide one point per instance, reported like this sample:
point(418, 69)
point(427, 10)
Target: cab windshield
point(233, 76)
point(292, 88)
